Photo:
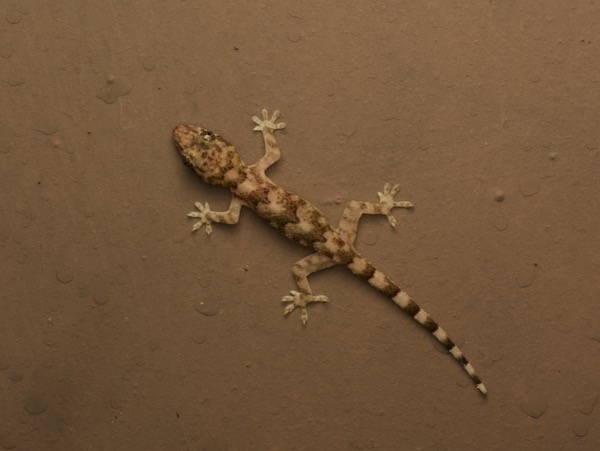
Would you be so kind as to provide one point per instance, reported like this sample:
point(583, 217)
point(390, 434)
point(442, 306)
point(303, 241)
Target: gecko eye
point(205, 136)
point(208, 135)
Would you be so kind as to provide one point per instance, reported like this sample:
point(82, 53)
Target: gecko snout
point(182, 134)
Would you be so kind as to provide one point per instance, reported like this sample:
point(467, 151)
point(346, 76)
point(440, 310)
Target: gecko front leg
point(267, 127)
point(207, 216)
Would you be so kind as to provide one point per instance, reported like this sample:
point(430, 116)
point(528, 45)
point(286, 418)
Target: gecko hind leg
point(304, 296)
point(348, 225)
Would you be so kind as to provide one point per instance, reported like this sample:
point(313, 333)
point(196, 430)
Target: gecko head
point(211, 155)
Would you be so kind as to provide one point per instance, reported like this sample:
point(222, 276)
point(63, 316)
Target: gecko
point(217, 162)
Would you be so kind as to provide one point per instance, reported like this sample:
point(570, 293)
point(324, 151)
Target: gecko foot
point(387, 202)
point(203, 212)
point(268, 125)
point(301, 300)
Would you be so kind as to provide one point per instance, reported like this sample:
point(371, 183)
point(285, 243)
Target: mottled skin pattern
point(217, 162)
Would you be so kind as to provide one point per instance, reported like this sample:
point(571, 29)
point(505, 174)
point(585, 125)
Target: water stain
point(14, 13)
point(208, 307)
point(44, 125)
point(587, 405)
point(526, 275)
point(580, 430)
point(35, 403)
point(534, 406)
point(529, 186)
point(114, 87)
point(65, 275)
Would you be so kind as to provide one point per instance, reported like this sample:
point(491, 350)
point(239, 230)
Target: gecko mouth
point(183, 135)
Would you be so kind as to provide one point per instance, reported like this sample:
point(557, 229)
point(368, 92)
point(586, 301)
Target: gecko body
point(217, 162)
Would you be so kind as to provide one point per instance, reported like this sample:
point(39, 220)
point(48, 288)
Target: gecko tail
point(362, 268)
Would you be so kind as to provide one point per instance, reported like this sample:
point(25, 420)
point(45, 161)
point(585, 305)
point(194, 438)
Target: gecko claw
point(301, 300)
point(202, 214)
point(387, 202)
point(268, 125)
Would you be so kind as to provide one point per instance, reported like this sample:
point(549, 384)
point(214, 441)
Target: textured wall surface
point(122, 330)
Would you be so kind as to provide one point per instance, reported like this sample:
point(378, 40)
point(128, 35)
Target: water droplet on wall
point(7, 138)
point(114, 88)
point(6, 49)
point(526, 276)
point(4, 365)
point(593, 331)
point(14, 13)
point(15, 376)
point(534, 406)
point(149, 63)
point(294, 36)
point(64, 275)
point(529, 186)
point(15, 79)
point(199, 339)
point(44, 125)
point(208, 307)
point(100, 298)
point(587, 406)
point(6, 442)
point(500, 224)
point(5, 225)
point(35, 403)
point(580, 430)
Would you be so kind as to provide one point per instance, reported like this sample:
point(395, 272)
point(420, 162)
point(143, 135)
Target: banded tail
point(361, 267)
